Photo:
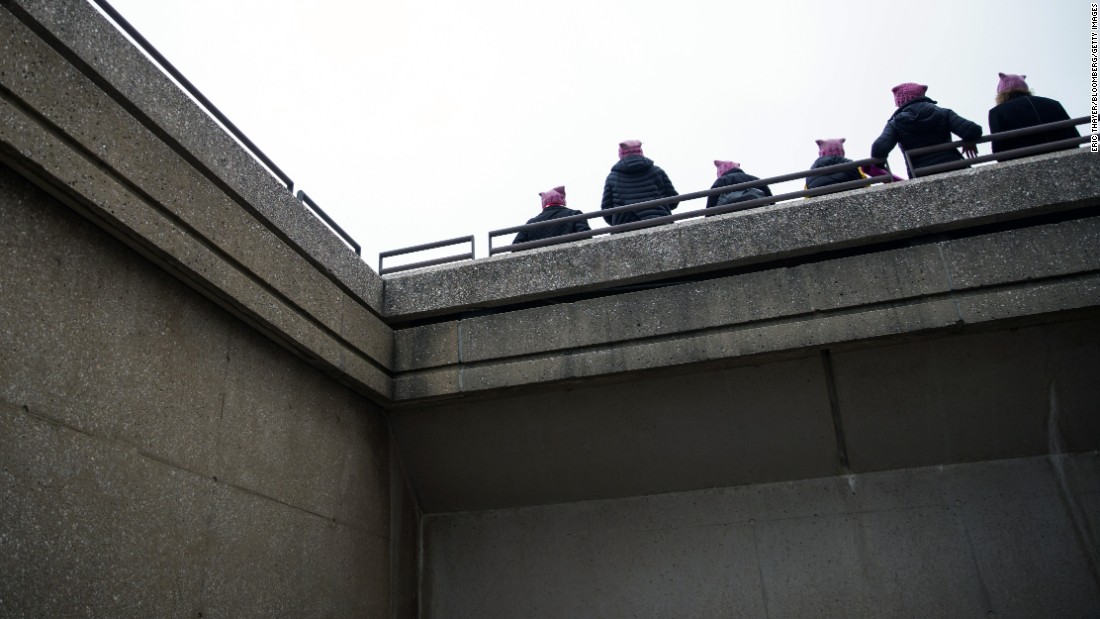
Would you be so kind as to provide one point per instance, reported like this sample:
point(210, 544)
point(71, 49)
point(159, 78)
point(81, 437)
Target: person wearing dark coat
point(730, 173)
point(553, 207)
point(831, 152)
point(919, 122)
point(636, 179)
point(1017, 108)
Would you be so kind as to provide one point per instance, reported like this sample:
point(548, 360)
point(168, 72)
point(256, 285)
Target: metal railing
point(647, 223)
point(213, 110)
point(706, 212)
point(426, 263)
point(1005, 155)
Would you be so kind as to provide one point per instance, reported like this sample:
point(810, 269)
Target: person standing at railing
point(919, 122)
point(730, 173)
point(636, 179)
point(831, 152)
point(553, 207)
point(1017, 108)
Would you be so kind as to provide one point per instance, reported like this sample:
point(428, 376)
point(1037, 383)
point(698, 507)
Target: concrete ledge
point(890, 293)
point(957, 200)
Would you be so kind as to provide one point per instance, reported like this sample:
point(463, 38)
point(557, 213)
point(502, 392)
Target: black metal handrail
point(129, 29)
point(301, 195)
point(425, 247)
point(1005, 155)
point(213, 110)
point(737, 206)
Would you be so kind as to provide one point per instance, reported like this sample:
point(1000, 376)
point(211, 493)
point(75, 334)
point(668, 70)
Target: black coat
point(545, 232)
point(813, 182)
point(733, 177)
point(1022, 111)
point(921, 123)
point(635, 179)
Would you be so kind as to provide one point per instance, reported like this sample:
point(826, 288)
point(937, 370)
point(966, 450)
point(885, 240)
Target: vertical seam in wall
point(461, 360)
point(759, 569)
point(950, 283)
point(983, 589)
point(834, 409)
point(396, 506)
point(1056, 459)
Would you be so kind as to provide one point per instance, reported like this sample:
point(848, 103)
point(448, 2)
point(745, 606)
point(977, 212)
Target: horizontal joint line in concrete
point(48, 126)
point(762, 322)
point(128, 446)
point(766, 262)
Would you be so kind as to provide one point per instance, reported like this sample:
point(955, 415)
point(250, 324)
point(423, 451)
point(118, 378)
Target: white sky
point(411, 122)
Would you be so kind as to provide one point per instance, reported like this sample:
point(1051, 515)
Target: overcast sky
point(411, 122)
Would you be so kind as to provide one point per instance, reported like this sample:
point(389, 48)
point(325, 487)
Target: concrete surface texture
point(877, 403)
point(160, 458)
point(1012, 538)
point(937, 284)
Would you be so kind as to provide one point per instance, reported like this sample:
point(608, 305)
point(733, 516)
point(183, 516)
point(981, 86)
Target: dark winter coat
point(1022, 111)
point(635, 179)
point(734, 177)
point(921, 123)
point(813, 182)
point(545, 232)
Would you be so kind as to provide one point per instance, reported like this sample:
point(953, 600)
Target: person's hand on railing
point(970, 150)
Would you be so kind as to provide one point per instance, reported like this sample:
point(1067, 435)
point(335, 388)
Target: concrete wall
point(1011, 538)
point(161, 458)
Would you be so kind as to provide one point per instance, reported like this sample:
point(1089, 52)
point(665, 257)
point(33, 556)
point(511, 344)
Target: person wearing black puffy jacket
point(553, 207)
point(636, 179)
point(919, 122)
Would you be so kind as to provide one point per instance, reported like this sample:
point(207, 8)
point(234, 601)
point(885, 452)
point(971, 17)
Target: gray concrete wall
point(1009, 538)
point(161, 458)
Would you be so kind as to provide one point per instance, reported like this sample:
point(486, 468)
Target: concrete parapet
point(937, 285)
point(947, 202)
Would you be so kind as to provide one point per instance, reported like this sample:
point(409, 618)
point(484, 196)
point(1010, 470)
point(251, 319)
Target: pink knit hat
point(726, 166)
point(830, 147)
point(904, 93)
point(629, 147)
point(1011, 82)
point(554, 197)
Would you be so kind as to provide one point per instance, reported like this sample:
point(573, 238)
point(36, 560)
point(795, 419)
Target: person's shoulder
point(1046, 101)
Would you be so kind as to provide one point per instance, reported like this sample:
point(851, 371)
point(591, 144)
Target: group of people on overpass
point(918, 122)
